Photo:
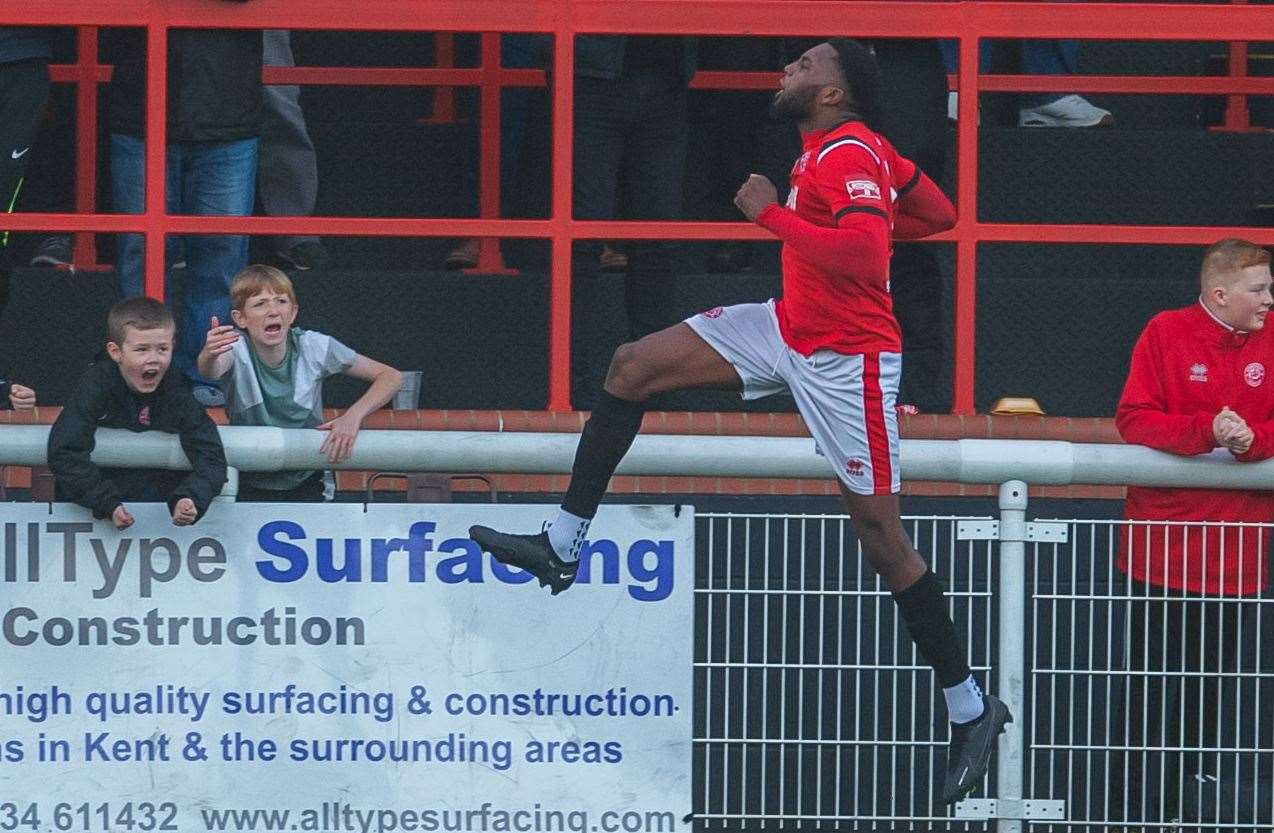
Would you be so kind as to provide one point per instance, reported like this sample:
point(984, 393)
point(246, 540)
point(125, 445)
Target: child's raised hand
point(339, 444)
point(21, 397)
point(184, 512)
point(121, 518)
point(220, 338)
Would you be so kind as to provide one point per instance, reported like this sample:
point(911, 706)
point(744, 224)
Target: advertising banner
point(341, 667)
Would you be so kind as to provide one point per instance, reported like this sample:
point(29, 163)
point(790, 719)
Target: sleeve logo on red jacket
point(862, 189)
point(1198, 372)
point(1254, 374)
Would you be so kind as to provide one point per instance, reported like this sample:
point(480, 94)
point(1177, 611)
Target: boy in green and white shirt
point(275, 377)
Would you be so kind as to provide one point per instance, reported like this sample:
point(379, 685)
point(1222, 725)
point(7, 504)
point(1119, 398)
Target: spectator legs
point(915, 92)
point(204, 178)
point(24, 87)
point(601, 125)
point(128, 196)
point(1048, 57)
point(288, 173)
point(218, 178)
point(653, 175)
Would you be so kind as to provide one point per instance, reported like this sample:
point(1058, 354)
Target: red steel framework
point(966, 21)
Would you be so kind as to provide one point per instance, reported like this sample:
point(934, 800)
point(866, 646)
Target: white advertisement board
point(341, 668)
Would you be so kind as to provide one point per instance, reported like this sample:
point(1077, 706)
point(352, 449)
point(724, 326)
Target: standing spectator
point(741, 139)
point(49, 185)
point(520, 51)
point(630, 128)
point(287, 173)
point(1198, 382)
point(24, 87)
point(214, 120)
point(1039, 57)
point(914, 86)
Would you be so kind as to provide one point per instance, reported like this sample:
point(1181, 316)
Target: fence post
point(1011, 656)
point(230, 491)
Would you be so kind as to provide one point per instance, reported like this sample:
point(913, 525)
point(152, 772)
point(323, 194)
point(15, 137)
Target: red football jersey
point(848, 169)
point(1186, 367)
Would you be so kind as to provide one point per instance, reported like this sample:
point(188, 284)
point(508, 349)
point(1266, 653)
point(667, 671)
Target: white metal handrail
point(1038, 462)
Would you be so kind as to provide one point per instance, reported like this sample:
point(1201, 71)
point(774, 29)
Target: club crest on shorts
point(715, 312)
point(862, 189)
point(855, 468)
point(1254, 374)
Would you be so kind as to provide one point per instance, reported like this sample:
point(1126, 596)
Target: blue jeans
point(1039, 57)
point(210, 178)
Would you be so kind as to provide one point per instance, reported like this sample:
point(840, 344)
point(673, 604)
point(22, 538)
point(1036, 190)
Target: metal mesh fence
point(1148, 702)
point(1144, 706)
point(815, 709)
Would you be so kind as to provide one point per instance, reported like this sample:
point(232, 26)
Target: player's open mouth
point(273, 329)
point(150, 375)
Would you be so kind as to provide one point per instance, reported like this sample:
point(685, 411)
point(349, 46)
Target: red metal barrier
point(966, 21)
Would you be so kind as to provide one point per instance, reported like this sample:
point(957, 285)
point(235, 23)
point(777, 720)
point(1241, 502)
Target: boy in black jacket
point(130, 388)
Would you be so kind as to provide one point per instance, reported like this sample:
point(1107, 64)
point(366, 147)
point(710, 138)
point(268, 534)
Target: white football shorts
point(847, 401)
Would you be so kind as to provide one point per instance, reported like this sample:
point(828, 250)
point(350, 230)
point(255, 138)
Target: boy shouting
point(275, 376)
point(130, 387)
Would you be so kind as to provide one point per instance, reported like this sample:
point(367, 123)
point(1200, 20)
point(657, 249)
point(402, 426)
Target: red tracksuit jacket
point(1186, 367)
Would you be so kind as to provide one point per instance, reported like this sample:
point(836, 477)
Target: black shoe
point(54, 252)
point(306, 255)
point(532, 553)
point(972, 744)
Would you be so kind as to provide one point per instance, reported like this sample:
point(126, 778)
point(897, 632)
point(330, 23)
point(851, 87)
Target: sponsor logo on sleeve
point(1198, 372)
point(862, 189)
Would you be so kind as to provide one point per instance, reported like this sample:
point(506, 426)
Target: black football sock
point(924, 609)
point(606, 438)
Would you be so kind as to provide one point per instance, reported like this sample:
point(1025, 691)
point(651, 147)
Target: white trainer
point(1068, 111)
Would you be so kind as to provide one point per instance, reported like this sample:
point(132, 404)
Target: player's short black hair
point(862, 74)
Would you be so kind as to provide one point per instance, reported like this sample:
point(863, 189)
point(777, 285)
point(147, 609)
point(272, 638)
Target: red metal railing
point(966, 21)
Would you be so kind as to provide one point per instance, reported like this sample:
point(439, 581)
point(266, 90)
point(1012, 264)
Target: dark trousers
point(914, 87)
point(1181, 696)
point(738, 136)
point(24, 87)
point(208, 178)
point(630, 151)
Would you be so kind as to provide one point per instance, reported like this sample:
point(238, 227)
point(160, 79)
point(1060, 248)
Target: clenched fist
point(754, 195)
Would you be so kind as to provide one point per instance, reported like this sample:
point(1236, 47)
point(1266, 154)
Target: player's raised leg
point(676, 358)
